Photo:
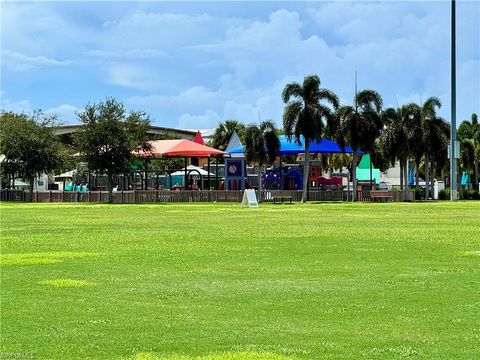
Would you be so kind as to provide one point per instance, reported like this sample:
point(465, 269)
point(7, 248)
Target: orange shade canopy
point(181, 147)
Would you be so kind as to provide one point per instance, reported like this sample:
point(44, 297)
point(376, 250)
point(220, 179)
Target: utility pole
point(453, 124)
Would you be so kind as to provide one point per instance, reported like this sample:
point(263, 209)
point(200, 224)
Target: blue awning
point(325, 146)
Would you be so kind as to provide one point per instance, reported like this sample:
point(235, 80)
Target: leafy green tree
point(469, 136)
point(223, 133)
point(306, 115)
point(261, 146)
point(110, 136)
point(29, 146)
point(359, 126)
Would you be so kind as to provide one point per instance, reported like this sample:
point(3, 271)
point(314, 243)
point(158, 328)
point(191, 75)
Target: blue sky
point(194, 64)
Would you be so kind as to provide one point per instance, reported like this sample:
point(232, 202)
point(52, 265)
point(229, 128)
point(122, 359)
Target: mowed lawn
point(215, 281)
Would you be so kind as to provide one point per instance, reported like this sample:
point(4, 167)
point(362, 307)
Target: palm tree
point(469, 136)
point(429, 125)
point(336, 162)
point(359, 126)
point(261, 147)
point(399, 137)
point(440, 141)
point(223, 133)
point(305, 115)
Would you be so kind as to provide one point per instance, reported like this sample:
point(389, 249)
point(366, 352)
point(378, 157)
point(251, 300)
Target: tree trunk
point(371, 175)
point(348, 187)
point(432, 180)
point(110, 188)
point(32, 181)
point(475, 173)
point(459, 180)
point(417, 175)
point(259, 183)
point(405, 178)
point(427, 177)
point(400, 162)
point(306, 168)
point(354, 175)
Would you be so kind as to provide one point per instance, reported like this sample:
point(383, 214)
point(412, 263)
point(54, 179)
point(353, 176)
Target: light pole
point(453, 127)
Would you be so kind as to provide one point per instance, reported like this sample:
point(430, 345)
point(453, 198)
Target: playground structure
point(291, 178)
point(367, 175)
point(234, 168)
point(141, 177)
point(283, 178)
point(147, 182)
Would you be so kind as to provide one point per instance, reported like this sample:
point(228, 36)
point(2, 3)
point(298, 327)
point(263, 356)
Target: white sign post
point(249, 198)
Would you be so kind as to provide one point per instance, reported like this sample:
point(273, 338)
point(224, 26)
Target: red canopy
point(182, 147)
point(198, 138)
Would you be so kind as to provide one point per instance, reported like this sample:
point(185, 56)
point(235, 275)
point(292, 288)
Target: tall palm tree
point(469, 136)
point(359, 126)
point(261, 147)
point(306, 115)
point(415, 137)
point(440, 141)
point(398, 139)
point(430, 129)
point(223, 133)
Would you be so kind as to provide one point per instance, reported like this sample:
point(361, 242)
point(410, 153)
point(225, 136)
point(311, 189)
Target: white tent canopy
point(68, 174)
point(21, 183)
point(189, 168)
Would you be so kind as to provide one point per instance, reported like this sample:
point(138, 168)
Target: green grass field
point(215, 281)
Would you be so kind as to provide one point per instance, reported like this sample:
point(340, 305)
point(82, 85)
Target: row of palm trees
point(409, 132)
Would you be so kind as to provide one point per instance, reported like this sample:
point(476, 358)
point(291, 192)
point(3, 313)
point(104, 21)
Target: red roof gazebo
point(180, 148)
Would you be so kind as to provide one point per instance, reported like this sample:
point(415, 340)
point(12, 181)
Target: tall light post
point(453, 127)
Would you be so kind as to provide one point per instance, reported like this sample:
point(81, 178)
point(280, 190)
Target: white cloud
point(189, 67)
point(65, 112)
point(21, 62)
point(128, 54)
point(21, 106)
point(189, 121)
point(130, 76)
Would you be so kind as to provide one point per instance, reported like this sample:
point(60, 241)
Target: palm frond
point(330, 96)
point(261, 143)
point(291, 116)
point(429, 108)
point(369, 99)
point(311, 87)
point(272, 144)
point(292, 90)
point(267, 125)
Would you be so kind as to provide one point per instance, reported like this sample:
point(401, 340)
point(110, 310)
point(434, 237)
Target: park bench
point(380, 194)
point(281, 198)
